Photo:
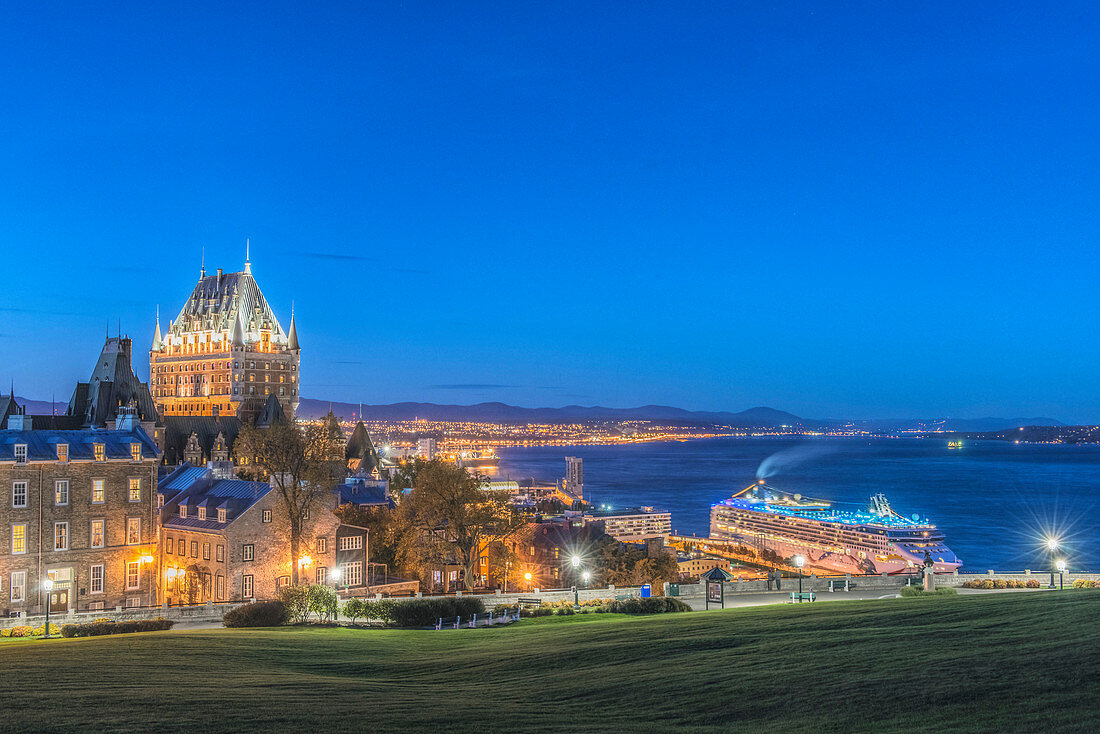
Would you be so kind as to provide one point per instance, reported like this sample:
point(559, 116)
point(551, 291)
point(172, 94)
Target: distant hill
point(754, 417)
point(42, 407)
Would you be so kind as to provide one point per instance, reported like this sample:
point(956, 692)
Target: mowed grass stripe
point(998, 662)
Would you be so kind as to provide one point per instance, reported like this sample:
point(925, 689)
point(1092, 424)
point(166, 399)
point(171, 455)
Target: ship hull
point(848, 560)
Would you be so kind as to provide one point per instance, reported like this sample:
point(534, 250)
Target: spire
point(237, 337)
point(158, 344)
point(292, 337)
point(202, 271)
point(247, 259)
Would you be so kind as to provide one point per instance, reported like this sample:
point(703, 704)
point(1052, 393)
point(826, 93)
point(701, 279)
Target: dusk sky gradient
point(840, 210)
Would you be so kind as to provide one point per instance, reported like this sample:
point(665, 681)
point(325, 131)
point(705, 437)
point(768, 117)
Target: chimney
point(126, 418)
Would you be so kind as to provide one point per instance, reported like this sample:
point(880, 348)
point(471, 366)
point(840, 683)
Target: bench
point(807, 595)
point(841, 585)
point(522, 602)
point(450, 623)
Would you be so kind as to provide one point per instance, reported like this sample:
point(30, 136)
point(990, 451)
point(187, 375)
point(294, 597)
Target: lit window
point(96, 583)
point(350, 542)
point(181, 548)
point(19, 494)
point(100, 452)
point(133, 530)
point(322, 575)
point(62, 452)
point(97, 491)
point(19, 538)
point(351, 573)
point(61, 492)
point(61, 536)
point(135, 451)
point(135, 489)
point(97, 533)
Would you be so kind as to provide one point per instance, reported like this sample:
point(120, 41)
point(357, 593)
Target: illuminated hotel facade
point(225, 352)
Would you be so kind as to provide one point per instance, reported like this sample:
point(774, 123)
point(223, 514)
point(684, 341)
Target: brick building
point(78, 507)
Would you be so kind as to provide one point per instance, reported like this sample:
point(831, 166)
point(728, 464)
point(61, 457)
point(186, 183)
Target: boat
point(954, 444)
point(476, 459)
point(776, 525)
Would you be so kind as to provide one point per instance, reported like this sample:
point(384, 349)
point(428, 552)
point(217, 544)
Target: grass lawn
point(996, 662)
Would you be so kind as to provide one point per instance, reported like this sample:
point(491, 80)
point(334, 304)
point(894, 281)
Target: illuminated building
point(633, 524)
point(225, 353)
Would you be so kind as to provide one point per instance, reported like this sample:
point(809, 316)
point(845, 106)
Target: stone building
point(225, 353)
point(226, 540)
point(77, 506)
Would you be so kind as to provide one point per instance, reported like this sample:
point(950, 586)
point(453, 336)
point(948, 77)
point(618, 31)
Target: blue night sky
point(842, 210)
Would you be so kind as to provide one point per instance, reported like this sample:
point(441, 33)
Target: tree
point(301, 464)
point(452, 517)
point(628, 564)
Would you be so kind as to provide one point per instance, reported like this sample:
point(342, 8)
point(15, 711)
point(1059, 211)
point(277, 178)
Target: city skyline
point(815, 210)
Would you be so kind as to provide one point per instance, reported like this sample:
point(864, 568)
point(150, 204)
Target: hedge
point(919, 591)
point(95, 629)
point(256, 614)
point(1001, 584)
point(425, 612)
point(652, 605)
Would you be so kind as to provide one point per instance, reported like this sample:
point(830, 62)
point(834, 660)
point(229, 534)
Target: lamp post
point(1061, 571)
point(576, 561)
point(799, 561)
point(527, 578)
point(48, 586)
point(1052, 545)
point(586, 575)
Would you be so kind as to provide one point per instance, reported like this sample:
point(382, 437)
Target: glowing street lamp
point(1061, 571)
point(48, 586)
point(1052, 545)
point(586, 575)
point(527, 578)
point(800, 562)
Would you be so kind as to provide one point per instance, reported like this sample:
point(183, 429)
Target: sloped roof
point(365, 492)
point(178, 428)
point(197, 486)
point(362, 448)
point(42, 444)
point(112, 384)
point(272, 412)
point(716, 574)
point(220, 303)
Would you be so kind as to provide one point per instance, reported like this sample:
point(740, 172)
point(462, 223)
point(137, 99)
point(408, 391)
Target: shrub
point(295, 600)
point(1082, 584)
point(354, 609)
point(256, 614)
point(322, 601)
point(652, 605)
point(22, 630)
point(999, 584)
point(41, 630)
point(1032, 583)
point(425, 612)
point(96, 629)
point(919, 591)
point(564, 611)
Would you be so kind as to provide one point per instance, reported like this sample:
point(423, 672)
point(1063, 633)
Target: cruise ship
point(876, 541)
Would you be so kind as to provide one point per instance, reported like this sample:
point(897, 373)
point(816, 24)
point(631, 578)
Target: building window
point(248, 553)
point(305, 513)
point(18, 585)
point(194, 549)
point(206, 551)
point(281, 582)
point(181, 548)
point(62, 452)
point(135, 489)
point(61, 536)
point(322, 545)
point(352, 573)
point(219, 553)
point(133, 580)
point(322, 575)
point(97, 491)
point(202, 512)
point(61, 492)
point(95, 606)
point(169, 545)
point(183, 509)
point(97, 533)
point(266, 516)
point(20, 453)
point(160, 500)
point(135, 451)
point(19, 539)
point(219, 587)
point(19, 494)
point(133, 530)
point(221, 514)
point(133, 602)
point(100, 451)
point(95, 586)
point(350, 542)
point(246, 586)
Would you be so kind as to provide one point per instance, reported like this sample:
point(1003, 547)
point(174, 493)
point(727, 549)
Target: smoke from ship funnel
point(791, 457)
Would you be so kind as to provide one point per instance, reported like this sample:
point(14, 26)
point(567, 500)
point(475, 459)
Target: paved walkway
point(764, 598)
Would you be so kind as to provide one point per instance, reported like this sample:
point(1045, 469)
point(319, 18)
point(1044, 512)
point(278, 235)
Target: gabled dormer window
point(202, 513)
point(135, 452)
point(221, 514)
point(183, 509)
point(62, 452)
point(20, 453)
point(100, 451)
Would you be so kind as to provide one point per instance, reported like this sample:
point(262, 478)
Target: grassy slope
point(999, 662)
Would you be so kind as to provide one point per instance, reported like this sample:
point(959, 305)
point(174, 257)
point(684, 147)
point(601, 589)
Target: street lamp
point(527, 578)
point(1061, 570)
point(586, 575)
point(48, 586)
point(799, 561)
point(1052, 545)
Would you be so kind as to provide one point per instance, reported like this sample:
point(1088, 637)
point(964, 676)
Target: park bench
point(529, 602)
point(807, 595)
point(448, 623)
point(840, 585)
